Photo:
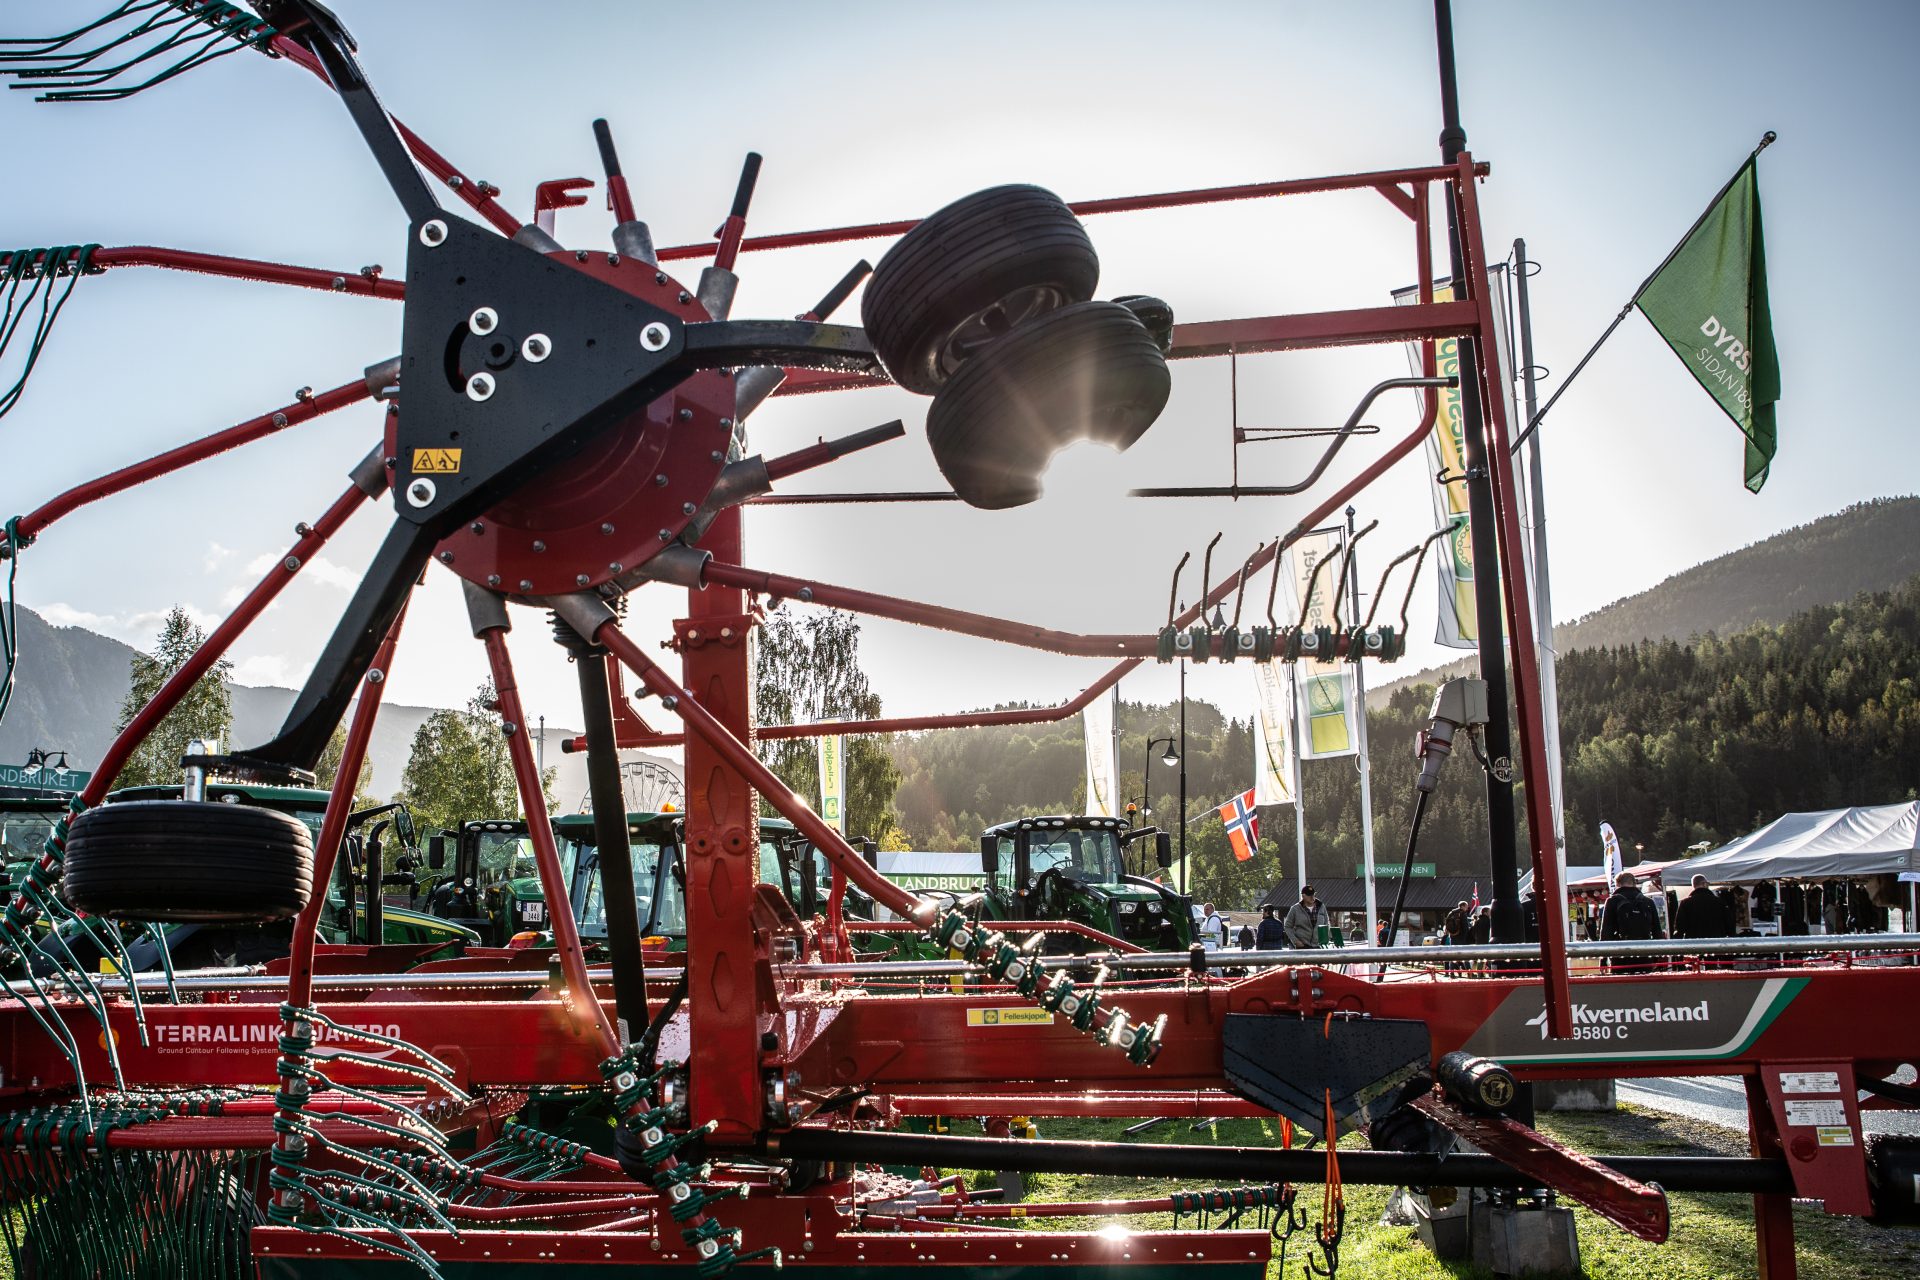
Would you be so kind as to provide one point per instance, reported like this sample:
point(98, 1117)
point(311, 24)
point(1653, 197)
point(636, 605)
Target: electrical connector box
point(1461, 701)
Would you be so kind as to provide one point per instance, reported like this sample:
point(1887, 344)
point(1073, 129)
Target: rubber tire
point(195, 861)
point(956, 262)
point(1090, 371)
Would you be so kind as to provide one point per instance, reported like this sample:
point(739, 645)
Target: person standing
point(1304, 919)
point(1213, 930)
point(1629, 916)
point(1702, 914)
point(1272, 935)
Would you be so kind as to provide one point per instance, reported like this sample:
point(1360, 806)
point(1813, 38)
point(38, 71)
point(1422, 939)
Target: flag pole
point(1766, 140)
point(1542, 597)
point(1299, 797)
point(1360, 741)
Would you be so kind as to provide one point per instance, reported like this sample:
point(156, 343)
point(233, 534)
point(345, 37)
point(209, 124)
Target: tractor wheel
point(1090, 371)
point(970, 274)
point(188, 860)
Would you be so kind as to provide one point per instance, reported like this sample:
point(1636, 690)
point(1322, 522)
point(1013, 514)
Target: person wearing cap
point(1304, 919)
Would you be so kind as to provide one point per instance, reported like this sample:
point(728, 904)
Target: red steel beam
point(1116, 204)
point(217, 264)
point(1528, 706)
point(300, 411)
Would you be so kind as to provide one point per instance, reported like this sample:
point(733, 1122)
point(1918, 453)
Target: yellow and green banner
point(833, 782)
point(1324, 689)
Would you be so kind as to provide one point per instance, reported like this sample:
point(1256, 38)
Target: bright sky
point(1608, 128)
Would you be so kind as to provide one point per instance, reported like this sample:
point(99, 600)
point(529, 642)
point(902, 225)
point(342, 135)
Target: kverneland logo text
point(1587, 1015)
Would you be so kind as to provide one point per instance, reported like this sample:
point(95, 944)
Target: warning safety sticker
point(436, 462)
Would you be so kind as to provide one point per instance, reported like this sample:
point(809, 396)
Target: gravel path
point(1722, 1100)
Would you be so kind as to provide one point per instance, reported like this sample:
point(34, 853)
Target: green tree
point(459, 768)
point(805, 671)
point(206, 712)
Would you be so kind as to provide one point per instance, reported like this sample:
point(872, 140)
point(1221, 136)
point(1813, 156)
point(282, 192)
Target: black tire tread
point(1090, 371)
point(961, 259)
point(190, 861)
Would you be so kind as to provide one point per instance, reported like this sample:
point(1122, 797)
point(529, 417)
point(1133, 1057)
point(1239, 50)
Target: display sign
point(18, 775)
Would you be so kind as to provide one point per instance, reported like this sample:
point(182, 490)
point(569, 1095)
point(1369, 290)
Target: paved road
point(1722, 1100)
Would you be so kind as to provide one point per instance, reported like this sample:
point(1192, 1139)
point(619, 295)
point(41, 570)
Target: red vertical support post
point(1528, 707)
point(1772, 1211)
point(722, 848)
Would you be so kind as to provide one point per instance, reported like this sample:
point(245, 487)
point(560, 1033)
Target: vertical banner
point(1610, 846)
point(1447, 458)
point(1272, 741)
point(1325, 688)
point(1096, 723)
point(833, 782)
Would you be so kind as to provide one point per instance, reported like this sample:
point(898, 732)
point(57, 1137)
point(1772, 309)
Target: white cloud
point(319, 569)
point(65, 615)
point(217, 555)
point(137, 629)
point(263, 669)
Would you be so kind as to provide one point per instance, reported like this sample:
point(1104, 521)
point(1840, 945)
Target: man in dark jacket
point(1272, 935)
point(1629, 916)
point(1701, 914)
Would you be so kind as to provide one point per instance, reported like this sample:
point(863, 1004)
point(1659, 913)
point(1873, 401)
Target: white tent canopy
point(1831, 844)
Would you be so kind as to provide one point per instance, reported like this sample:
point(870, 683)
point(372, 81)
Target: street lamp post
point(1186, 874)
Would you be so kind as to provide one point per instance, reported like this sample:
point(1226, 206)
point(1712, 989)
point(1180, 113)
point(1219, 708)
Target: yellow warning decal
point(1835, 1135)
point(436, 462)
point(1008, 1017)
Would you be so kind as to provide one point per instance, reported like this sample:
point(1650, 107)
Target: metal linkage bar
point(1118, 204)
point(303, 409)
point(359, 284)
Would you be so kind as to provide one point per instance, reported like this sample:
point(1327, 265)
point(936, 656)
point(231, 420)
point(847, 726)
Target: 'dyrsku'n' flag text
point(1709, 301)
point(1243, 825)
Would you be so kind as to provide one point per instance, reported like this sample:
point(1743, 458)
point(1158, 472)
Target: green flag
point(1709, 301)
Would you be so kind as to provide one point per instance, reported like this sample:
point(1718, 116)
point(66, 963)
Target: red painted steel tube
point(1528, 706)
point(432, 161)
point(737, 754)
point(216, 264)
point(1105, 939)
point(548, 1209)
point(1111, 1105)
point(533, 801)
point(1118, 204)
point(1036, 1209)
point(216, 645)
point(333, 824)
point(300, 411)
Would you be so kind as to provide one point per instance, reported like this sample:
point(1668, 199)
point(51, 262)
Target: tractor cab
point(1074, 868)
point(495, 885)
point(25, 824)
point(658, 880)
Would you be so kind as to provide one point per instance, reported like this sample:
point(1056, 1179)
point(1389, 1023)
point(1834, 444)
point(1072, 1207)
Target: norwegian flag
point(1475, 904)
point(1243, 825)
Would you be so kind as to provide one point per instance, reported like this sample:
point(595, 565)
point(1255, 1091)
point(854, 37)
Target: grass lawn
point(1712, 1236)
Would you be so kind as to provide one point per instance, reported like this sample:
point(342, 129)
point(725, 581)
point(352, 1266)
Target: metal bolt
point(538, 545)
point(433, 233)
point(659, 277)
point(493, 579)
point(606, 528)
point(339, 284)
point(806, 594)
point(303, 528)
point(279, 419)
point(666, 535)
point(446, 557)
point(291, 563)
point(581, 579)
point(613, 259)
point(669, 702)
point(685, 415)
point(661, 480)
point(579, 255)
point(420, 493)
point(476, 528)
point(684, 296)
point(727, 423)
point(526, 584)
point(655, 337)
point(536, 348)
point(718, 456)
point(376, 676)
point(483, 321)
point(616, 567)
point(480, 386)
point(304, 393)
point(687, 508)
point(509, 728)
point(456, 181)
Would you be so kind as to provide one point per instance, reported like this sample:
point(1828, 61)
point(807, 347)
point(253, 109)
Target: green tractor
point(1074, 868)
point(356, 909)
point(495, 886)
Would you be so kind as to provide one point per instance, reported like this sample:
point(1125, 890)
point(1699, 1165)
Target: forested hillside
point(1671, 743)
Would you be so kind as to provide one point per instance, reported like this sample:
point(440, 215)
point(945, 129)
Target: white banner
point(1458, 626)
point(833, 782)
point(1610, 846)
point(1325, 689)
point(1272, 736)
point(1103, 774)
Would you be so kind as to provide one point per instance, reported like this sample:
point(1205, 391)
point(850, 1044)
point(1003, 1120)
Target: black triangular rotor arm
point(314, 27)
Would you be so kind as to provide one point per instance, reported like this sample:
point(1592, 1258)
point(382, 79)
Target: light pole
point(1146, 790)
point(1186, 873)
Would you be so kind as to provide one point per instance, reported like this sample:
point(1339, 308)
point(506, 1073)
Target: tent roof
point(1861, 841)
point(1350, 894)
